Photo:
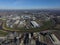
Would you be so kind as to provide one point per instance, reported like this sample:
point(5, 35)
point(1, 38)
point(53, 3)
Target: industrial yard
point(22, 22)
point(29, 29)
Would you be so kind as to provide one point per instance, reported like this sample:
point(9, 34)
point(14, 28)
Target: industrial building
point(17, 21)
point(21, 23)
point(34, 24)
point(54, 39)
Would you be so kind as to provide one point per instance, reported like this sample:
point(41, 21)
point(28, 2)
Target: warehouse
point(34, 24)
point(17, 21)
point(22, 23)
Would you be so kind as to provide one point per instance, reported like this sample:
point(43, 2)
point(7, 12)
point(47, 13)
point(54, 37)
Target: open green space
point(2, 19)
point(3, 33)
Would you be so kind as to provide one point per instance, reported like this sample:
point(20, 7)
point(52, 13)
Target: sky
point(29, 4)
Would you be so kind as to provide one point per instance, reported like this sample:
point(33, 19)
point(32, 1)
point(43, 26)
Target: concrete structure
point(17, 21)
point(29, 36)
point(22, 23)
point(33, 42)
point(22, 42)
point(3, 38)
point(34, 24)
point(54, 39)
point(26, 16)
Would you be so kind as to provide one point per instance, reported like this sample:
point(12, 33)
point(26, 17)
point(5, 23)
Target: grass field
point(3, 33)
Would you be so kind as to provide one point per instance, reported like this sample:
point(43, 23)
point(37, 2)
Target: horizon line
point(31, 9)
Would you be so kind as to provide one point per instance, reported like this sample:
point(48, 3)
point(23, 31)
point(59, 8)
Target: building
point(34, 24)
point(21, 23)
point(17, 21)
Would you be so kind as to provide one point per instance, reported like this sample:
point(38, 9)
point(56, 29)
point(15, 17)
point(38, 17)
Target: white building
point(34, 18)
point(26, 16)
point(21, 24)
point(17, 21)
point(54, 39)
point(35, 24)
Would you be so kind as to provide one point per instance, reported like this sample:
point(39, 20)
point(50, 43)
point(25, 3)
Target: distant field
point(3, 33)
